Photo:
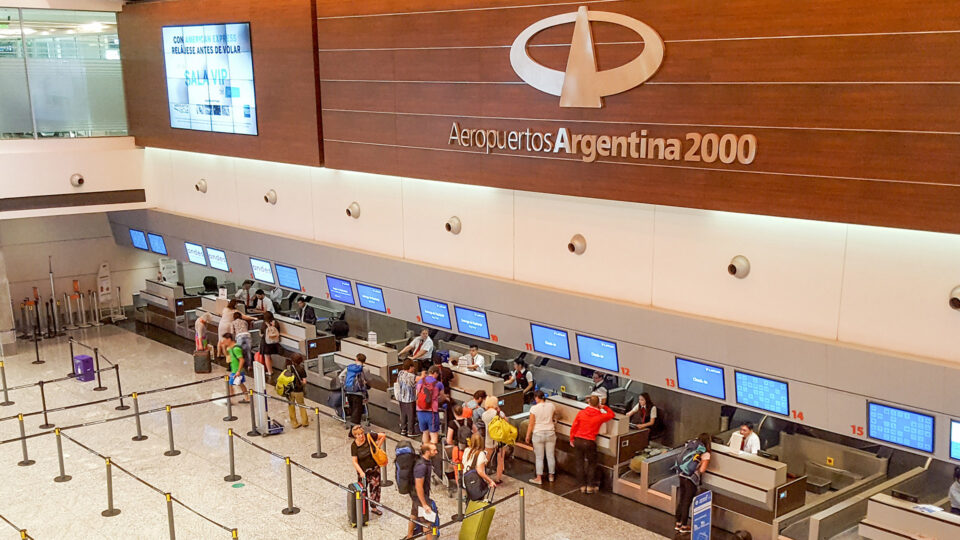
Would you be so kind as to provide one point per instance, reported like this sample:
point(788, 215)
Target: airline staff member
point(749, 442)
point(244, 295)
point(305, 313)
point(523, 378)
point(598, 389)
point(645, 411)
point(420, 348)
point(262, 303)
point(473, 361)
point(955, 492)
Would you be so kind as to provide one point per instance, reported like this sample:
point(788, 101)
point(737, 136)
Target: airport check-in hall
point(479, 269)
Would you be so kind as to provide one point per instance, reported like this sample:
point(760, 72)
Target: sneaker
point(536, 481)
point(583, 489)
point(551, 478)
point(685, 529)
point(677, 526)
point(591, 490)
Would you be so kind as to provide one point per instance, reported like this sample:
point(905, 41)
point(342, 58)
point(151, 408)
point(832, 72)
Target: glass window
point(70, 62)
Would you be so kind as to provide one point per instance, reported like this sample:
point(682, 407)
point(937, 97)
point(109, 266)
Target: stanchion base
point(139, 438)
point(38, 362)
point(171, 453)
point(64, 478)
point(231, 478)
point(320, 455)
point(456, 517)
point(290, 511)
point(110, 513)
point(387, 483)
point(100, 389)
point(71, 375)
point(122, 407)
point(6, 404)
point(26, 463)
point(229, 418)
point(46, 426)
point(253, 433)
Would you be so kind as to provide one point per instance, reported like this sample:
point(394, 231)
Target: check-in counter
point(610, 432)
point(466, 382)
point(166, 305)
point(462, 349)
point(555, 381)
point(894, 519)
point(380, 358)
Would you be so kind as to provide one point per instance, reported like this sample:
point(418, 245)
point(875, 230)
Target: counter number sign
point(702, 516)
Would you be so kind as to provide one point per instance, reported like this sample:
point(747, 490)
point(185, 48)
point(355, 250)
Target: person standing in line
point(473, 361)
point(354, 385)
point(407, 397)
point(542, 431)
point(368, 472)
point(420, 348)
point(295, 364)
point(523, 378)
point(226, 325)
point(583, 438)
point(476, 407)
point(492, 406)
point(429, 390)
point(200, 331)
point(691, 464)
point(241, 333)
point(749, 441)
point(269, 340)
point(475, 457)
point(420, 495)
point(235, 359)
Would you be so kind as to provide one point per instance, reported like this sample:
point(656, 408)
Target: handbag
point(474, 485)
point(378, 454)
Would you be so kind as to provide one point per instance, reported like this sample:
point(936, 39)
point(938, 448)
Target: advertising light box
point(762, 393)
point(139, 239)
point(195, 253)
point(701, 378)
point(550, 341)
point(262, 270)
point(434, 313)
point(340, 290)
point(955, 439)
point(157, 245)
point(900, 426)
point(218, 259)
point(472, 322)
point(371, 297)
point(598, 353)
point(209, 72)
point(287, 277)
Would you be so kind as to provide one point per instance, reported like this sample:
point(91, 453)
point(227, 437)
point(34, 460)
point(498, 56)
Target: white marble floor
point(32, 500)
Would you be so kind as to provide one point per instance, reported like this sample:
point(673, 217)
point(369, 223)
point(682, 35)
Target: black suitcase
point(201, 361)
point(352, 505)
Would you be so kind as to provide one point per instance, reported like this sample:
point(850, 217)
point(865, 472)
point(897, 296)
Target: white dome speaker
point(354, 210)
point(577, 244)
point(739, 267)
point(270, 197)
point(201, 186)
point(955, 298)
point(453, 225)
point(76, 180)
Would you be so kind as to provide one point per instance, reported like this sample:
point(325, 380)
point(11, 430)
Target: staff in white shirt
point(474, 360)
point(749, 442)
point(263, 303)
point(244, 294)
point(599, 389)
point(421, 347)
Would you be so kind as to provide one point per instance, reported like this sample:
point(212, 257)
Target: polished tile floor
point(252, 505)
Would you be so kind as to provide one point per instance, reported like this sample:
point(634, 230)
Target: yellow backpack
point(502, 431)
point(285, 383)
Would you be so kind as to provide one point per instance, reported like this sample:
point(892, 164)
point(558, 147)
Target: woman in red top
point(583, 439)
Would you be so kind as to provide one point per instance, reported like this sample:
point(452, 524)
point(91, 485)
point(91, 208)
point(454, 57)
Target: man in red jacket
point(583, 439)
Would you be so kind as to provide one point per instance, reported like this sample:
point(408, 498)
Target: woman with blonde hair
point(475, 457)
point(492, 406)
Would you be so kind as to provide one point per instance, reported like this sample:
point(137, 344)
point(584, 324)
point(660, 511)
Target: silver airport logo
point(581, 85)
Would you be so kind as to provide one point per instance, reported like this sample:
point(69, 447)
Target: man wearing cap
point(305, 313)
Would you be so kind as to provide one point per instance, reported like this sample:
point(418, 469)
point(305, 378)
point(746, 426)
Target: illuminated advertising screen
point(700, 378)
point(435, 313)
point(955, 439)
point(262, 270)
point(195, 253)
point(340, 290)
point(209, 71)
point(218, 259)
point(762, 393)
point(900, 426)
point(139, 239)
point(157, 245)
point(472, 322)
point(371, 297)
point(287, 277)
point(598, 353)
point(550, 341)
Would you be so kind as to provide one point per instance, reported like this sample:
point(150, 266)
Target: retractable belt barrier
point(23, 532)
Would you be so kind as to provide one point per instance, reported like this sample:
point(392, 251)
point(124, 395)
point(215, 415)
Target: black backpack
point(404, 458)
point(473, 484)
point(464, 431)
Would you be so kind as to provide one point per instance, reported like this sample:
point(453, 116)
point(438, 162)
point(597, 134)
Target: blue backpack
point(688, 460)
point(353, 383)
point(404, 458)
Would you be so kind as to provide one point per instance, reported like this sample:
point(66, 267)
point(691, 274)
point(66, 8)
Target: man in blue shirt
point(420, 495)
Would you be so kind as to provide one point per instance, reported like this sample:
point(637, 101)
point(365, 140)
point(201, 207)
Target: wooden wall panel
point(283, 36)
point(851, 102)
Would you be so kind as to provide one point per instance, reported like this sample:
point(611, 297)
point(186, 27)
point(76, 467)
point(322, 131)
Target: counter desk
point(165, 305)
point(894, 519)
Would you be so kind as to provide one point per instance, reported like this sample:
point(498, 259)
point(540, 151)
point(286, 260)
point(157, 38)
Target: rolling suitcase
point(201, 361)
point(476, 527)
point(352, 505)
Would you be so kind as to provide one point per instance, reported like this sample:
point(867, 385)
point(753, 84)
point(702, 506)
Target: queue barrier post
point(110, 511)
point(43, 403)
point(23, 534)
point(72, 373)
point(36, 341)
point(459, 515)
point(172, 451)
point(3, 379)
point(96, 360)
point(290, 509)
point(136, 416)
point(319, 453)
point(233, 534)
point(523, 519)
point(26, 461)
point(386, 482)
point(229, 417)
point(359, 515)
point(121, 406)
point(173, 531)
point(64, 477)
point(233, 476)
point(253, 418)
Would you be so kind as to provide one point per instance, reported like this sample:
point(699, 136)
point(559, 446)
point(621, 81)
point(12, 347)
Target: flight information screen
point(288, 277)
point(157, 245)
point(434, 313)
point(371, 297)
point(900, 426)
point(472, 322)
point(598, 353)
point(340, 290)
point(218, 259)
point(762, 393)
point(262, 270)
point(955, 439)
point(550, 341)
point(195, 253)
point(701, 378)
point(139, 239)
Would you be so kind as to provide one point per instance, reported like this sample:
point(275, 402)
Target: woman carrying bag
point(476, 483)
point(368, 456)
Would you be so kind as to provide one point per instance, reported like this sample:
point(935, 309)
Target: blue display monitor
point(701, 378)
point(157, 245)
point(262, 270)
point(371, 297)
point(954, 440)
point(900, 427)
point(434, 313)
point(598, 353)
point(288, 278)
point(218, 259)
point(340, 290)
point(472, 322)
point(195, 253)
point(550, 341)
point(139, 239)
point(763, 393)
